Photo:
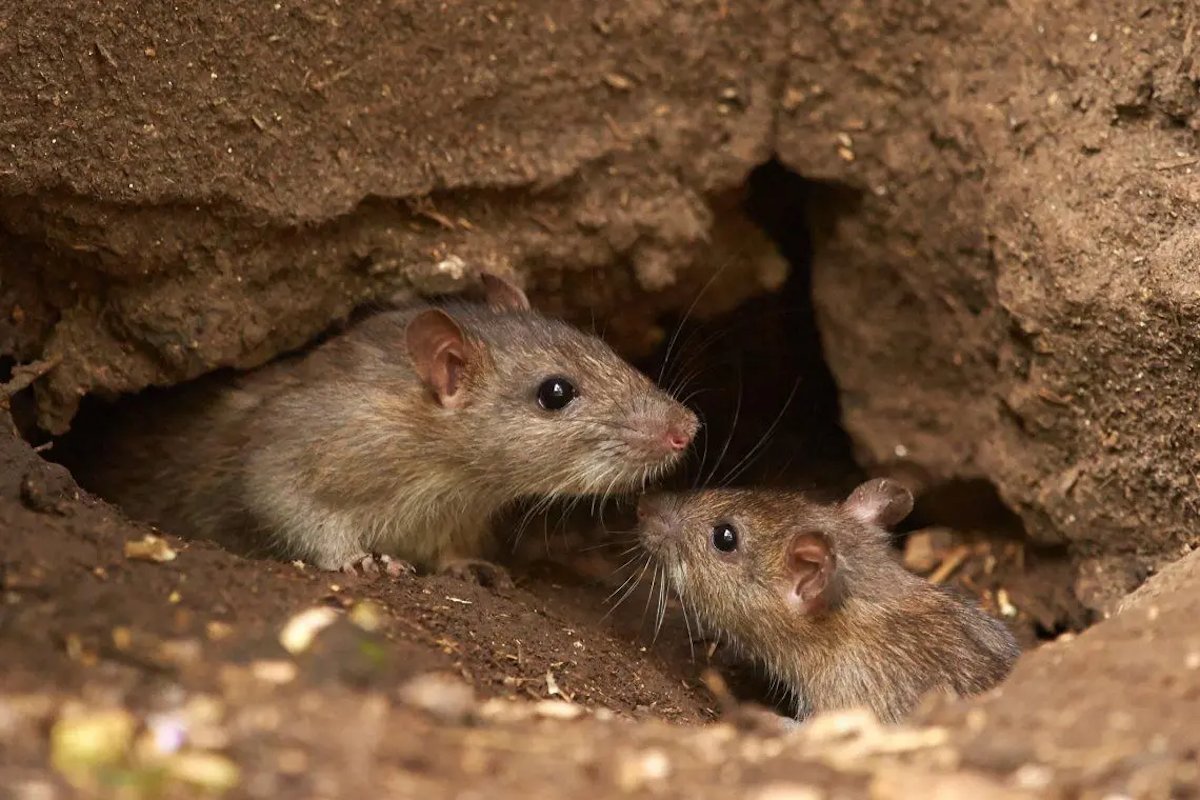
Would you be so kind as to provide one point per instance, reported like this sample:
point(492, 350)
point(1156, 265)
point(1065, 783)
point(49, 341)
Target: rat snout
point(661, 428)
point(647, 506)
point(656, 520)
point(681, 431)
point(678, 428)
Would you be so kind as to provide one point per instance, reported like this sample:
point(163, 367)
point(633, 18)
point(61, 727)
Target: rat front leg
point(333, 542)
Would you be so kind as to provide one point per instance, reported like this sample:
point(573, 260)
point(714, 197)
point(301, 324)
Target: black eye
point(725, 538)
point(556, 393)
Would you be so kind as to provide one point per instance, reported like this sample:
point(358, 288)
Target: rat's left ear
point(881, 502)
point(502, 294)
point(812, 573)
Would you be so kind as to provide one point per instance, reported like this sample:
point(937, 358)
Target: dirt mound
point(202, 188)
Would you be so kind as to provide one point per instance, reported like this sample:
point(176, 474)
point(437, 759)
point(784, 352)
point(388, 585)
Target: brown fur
point(886, 637)
point(345, 451)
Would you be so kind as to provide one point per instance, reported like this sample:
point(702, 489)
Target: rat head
point(748, 558)
point(551, 409)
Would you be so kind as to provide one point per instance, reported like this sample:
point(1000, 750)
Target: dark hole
point(964, 505)
point(768, 400)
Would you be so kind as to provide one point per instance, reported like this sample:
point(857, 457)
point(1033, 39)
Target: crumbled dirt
point(70, 585)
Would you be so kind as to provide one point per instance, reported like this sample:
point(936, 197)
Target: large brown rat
point(402, 436)
point(815, 593)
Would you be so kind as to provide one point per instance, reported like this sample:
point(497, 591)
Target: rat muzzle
point(658, 522)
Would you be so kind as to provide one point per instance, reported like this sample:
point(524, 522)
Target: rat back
point(176, 459)
point(890, 657)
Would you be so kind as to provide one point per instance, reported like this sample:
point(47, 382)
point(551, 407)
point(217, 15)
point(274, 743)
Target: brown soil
point(989, 211)
point(84, 627)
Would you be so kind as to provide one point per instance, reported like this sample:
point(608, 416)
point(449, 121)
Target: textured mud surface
point(187, 190)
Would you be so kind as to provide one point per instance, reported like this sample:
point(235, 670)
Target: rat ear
point(502, 294)
point(880, 502)
point(811, 570)
point(439, 351)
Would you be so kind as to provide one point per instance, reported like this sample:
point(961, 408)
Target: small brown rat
point(816, 594)
point(401, 436)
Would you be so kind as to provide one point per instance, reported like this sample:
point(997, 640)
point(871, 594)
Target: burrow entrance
point(758, 377)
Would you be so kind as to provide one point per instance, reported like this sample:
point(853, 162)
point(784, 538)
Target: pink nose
point(678, 440)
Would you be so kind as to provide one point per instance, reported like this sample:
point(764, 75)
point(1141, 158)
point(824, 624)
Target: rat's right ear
point(502, 294)
point(881, 502)
point(812, 573)
point(439, 351)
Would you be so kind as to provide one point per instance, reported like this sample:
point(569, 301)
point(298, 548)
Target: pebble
point(150, 548)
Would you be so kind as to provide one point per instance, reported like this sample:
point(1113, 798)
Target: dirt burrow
point(1008, 299)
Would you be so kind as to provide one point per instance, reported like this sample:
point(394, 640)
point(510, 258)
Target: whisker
point(662, 606)
point(746, 461)
point(686, 315)
point(630, 590)
point(737, 411)
point(687, 624)
point(650, 595)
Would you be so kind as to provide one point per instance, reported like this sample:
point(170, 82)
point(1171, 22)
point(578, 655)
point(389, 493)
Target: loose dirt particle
point(277, 671)
point(443, 696)
point(150, 548)
point(298, 634)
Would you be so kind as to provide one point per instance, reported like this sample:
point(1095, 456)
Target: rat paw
point(373, 565)
point(352, 567)
point(478, 571)
point(396, 567)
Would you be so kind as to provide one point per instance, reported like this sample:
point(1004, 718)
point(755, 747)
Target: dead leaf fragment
point(367, 615)
point(618, 82)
